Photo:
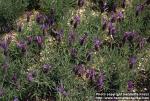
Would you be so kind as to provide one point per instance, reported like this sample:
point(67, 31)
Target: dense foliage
point(9, 11)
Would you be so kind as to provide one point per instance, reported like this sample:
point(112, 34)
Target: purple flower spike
point(100, 81)
point(4, 46)
point(123, 4)
point(104, 23)
point(128, 36)
point(77, 18)
point(30, 77)
point(91, 73)
point(105, 6)
point(130, 85)
point(16, 99)
point(44, 27)
point(79, 70)
point(61, 90)
point(73, 53)
point(46, 68)
point(83, 39)
point(132, 61)
point(80, 3)
point(39, 40)
point(14, 78)
point(22, 45)
point(71, 38)
point(51, 21)
point(120, 16)
point(97, 44)
point(139, 9)
point(76, 21)
point(59, 35)
point(113, 17)
point(112, 31)
point(39, 18)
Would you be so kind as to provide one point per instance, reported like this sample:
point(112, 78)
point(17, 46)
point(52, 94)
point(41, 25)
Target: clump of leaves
point(9, 11)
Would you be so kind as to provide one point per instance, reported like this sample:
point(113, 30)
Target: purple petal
point(16, 99)
point(61, 90)
point(132, 60)
point(100, 81)
point(51, 21)
point(97, 44)
point(30, 77)
point(120, 16)
point(113, 17)
point(59, 35)
point(46, 67)
point(139, 9)
point(80, 3)
point(112, 31)
point(128, 36)
point(39, 18)
point(39, 40)
point(83, 39)
point(22, 45)
point(76, 21)
point(44, 26)
point(79, 69)
point(130, 85)
point(110, 26)
point(91, 73)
